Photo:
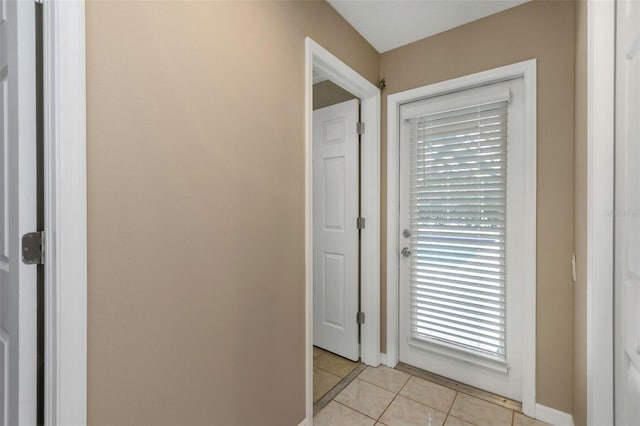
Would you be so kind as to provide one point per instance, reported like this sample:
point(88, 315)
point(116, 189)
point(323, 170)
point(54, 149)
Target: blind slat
point(452, 332)
point(456, 301)
point(456, 285)
point(460, 307)
point(463, 263)
point(488, 329)
point(473, 330)
point(473, 263)
point(460, 311)
point(453, 244)
point(457, 251)
point(459, 133)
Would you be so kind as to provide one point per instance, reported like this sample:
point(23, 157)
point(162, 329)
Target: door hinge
point(360, 127)
point(33, 248)
point(360, 317)
point(360, 222)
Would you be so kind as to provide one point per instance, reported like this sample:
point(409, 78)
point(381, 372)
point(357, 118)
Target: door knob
point(406, 233)
point(406, 252)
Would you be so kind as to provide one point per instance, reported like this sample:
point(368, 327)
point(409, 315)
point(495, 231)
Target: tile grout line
point(377, 385)
point(422, 403)
point(411, 399)
point(452, 402)
point(380, 387)
point(340, 359)
point(387, 407)
point(457, 386)
point(394, 398)
point(337, 389)
point(334, 374)
point(340, 379)
point(353, 409)
point(450, 408)
point(362, 367)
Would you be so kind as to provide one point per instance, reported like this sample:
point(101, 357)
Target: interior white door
point(17, 212)
point(460, 215)
point(627, 221)
point(335, 232)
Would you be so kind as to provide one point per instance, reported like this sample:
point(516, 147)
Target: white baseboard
point(553, 416)
point(304, 422)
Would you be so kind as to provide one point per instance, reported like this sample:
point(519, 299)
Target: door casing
point(526, 70)
point(600, 190)
point(369, 95)
point(65, 212)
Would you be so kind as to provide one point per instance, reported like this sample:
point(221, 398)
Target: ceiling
point(388, 24)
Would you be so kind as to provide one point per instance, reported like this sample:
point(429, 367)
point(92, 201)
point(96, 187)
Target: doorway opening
point(336, 236)
point(342, 218)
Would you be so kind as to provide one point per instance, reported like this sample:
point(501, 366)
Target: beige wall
point(542, 30)
point(328, 93)
point(580, 233)
point(196, 207)
point(195, 168)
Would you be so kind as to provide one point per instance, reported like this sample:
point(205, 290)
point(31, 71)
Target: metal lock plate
point(32, 252)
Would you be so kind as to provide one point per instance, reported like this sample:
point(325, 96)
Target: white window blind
point(457, 212)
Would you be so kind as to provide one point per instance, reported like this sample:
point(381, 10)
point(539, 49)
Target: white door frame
point(526, 70)
point(600, 208)
point(344, 76)
point(65, 213)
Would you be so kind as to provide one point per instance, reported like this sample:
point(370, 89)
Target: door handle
point(406, 252)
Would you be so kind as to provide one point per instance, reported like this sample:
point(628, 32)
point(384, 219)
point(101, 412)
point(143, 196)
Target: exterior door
point(627, 219)
point(462, 201)
point(18, 297)
point(335, 232)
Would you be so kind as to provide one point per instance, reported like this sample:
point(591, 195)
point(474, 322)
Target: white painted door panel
point(17, 212)
point(420, 293)
point(335, 234)
point(627, 219)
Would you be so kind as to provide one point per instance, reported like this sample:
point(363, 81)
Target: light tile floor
point(328, 371)
point(384, 396)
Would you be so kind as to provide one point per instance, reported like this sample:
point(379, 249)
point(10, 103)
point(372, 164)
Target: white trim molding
point(65, 213)
point(552, 416)
point(600, 207)
point(337, 71)
point(383, 360)
point(526, 70)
